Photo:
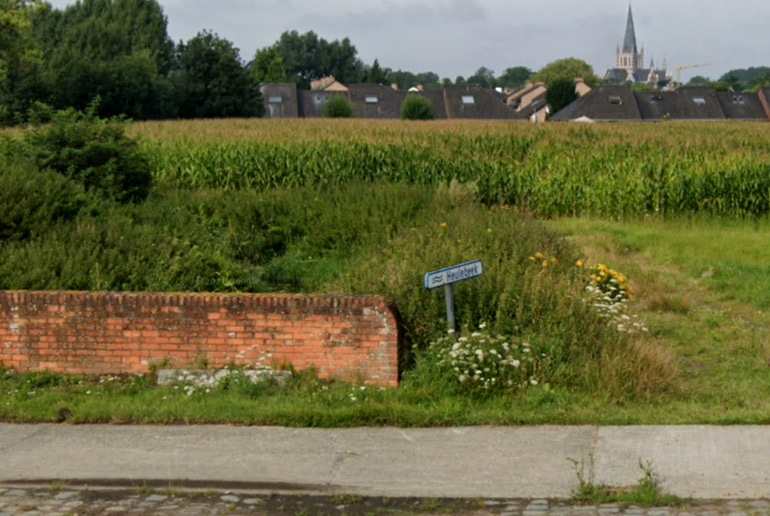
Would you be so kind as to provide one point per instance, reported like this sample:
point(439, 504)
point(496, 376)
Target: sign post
point(448, 277)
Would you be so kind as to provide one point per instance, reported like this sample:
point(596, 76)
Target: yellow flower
point(554, 260)
point(532, 259)
point(489, 230)
point(539, 256)
point(580, 263)
point(545, 265)
point(444, 225)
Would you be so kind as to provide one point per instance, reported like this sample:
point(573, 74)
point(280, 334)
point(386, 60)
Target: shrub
point(33, 201)
point(93, 151)
point(416, 107)
point(338, 107)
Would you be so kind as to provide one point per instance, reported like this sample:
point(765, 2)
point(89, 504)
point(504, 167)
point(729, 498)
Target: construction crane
point(678, 71)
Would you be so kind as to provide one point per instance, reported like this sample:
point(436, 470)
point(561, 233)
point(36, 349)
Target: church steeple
point(629, 42)
point(629, 57)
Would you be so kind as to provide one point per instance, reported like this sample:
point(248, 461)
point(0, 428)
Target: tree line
point(117, 55)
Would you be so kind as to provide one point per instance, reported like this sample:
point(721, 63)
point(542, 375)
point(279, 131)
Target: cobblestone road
point(64, 500)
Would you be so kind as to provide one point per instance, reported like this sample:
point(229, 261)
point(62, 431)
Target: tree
point(211, 81)
point(699, 80)
point(268, 67)
point(375, 74)
point(20, 59)
point(338, 106)
point(416, 107)
point(483, 77)
point(118, 50)
point(561, 93)
point(515, 77)
point(306, 57)
point(566, 69)
point(742, 78)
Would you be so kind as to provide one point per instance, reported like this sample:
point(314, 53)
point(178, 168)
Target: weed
point(345, 499)
point(144, 490)
point(646, 492)
point(56, 486)
point(431, 505)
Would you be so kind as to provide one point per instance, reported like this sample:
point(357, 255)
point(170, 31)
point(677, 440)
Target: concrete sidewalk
point(703, 462)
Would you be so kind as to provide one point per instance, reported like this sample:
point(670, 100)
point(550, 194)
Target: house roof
point(376, 101)
point(606, 103)
point(741, 106)
point(472, 101)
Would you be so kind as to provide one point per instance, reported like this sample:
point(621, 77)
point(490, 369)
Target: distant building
point(630, 62)
point(378, 101)
point(614, 103)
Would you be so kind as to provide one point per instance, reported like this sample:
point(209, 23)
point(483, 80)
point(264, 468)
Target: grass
point(715, 325)
point(646, 493)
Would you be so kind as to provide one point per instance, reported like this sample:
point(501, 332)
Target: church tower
point(630, 58)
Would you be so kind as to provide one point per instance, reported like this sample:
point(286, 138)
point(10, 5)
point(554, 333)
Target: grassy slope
point(703, 288)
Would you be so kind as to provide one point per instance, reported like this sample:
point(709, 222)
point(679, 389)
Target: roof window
point(615, 99)
point(656, 98)
point(699, 101)
point(468, 99)
point(738, 99)
point(277, 99)
point(371, 99)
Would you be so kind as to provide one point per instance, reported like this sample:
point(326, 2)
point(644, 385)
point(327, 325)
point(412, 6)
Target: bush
point(416, 107)
point(93, 151)
point(33, 201)
point(338, 107)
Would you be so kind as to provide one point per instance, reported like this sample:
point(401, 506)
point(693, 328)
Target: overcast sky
point(456, 37)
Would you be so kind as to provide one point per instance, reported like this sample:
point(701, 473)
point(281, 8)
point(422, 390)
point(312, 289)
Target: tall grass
point(623, 171)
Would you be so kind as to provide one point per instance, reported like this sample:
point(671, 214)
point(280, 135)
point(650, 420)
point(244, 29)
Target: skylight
point(468, 99)
point(371, 99)
point(738, 99)
point(615, 99)
point(699, 101)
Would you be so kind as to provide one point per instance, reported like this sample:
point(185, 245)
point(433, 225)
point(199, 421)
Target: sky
point(456, 37)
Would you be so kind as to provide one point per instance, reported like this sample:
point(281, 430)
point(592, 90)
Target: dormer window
point(277, 99)
point(616, 100)
point(468, 100)
point(738, 99)
point(699, 101)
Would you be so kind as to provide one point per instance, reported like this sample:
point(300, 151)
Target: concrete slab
point(492, 462)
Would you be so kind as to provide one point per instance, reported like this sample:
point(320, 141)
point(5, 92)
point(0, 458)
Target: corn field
point(612, 171)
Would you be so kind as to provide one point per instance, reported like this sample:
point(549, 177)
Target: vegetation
point(595, 356)
point(416, 107)
point(561, 93)
point(566, 69)
point(600, 171)
point(338, 106)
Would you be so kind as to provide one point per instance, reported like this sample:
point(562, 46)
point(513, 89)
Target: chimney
point(394, 86)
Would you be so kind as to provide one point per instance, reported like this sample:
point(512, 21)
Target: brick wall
point(111, 333)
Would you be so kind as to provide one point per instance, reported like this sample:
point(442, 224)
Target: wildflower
point(580, 264)
point(533, 381)
point(482, 326)
point(489, 231)
point(444, 225)
point(539, 256)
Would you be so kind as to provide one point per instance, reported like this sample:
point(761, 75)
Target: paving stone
point(16, 493)
point(115, 508)
point(230, 499)
point(253, 501)
point(659, 512)
point(156, 498)
point(74, 504)
point(492, 503)
point(65, 495)
point(738, 513)
point(759, 504)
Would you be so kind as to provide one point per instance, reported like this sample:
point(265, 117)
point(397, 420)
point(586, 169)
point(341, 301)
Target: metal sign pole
point(450, 307)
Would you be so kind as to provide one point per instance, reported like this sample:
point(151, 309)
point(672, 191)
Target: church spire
point(629, 42)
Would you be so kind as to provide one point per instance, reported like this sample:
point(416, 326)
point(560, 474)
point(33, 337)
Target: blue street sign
point(451, 275)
